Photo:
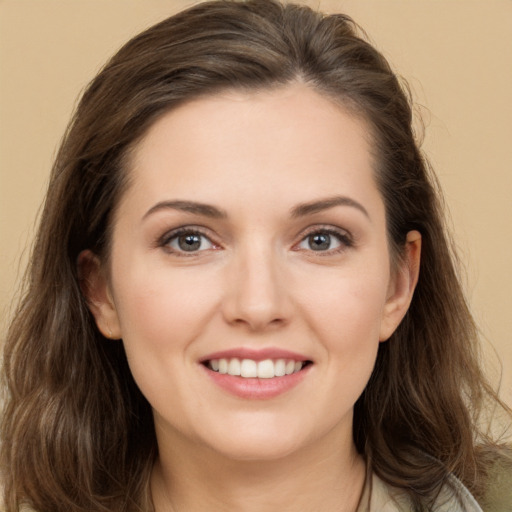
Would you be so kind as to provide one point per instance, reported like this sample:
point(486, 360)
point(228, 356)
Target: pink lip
point(256, 389)
point(255, 354)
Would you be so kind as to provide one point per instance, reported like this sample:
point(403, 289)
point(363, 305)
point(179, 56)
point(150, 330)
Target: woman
point(241, 294)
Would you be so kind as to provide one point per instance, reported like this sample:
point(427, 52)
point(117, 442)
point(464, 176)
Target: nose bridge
point(257, 296)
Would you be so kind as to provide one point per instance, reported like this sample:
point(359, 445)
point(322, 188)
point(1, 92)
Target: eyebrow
point(206, 210)
point(304, 209)
point(301, 210)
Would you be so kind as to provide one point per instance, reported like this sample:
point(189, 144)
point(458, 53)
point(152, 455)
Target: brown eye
point(188, 241)
point(319, 242)
point(326, 240)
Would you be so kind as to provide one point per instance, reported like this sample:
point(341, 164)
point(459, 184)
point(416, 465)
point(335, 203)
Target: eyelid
point(344, 236)
point(164, 240)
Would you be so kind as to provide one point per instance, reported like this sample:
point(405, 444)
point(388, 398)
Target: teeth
point(223, 366)
point(280, 368)
point(234, 367)
point(266, 369)
point(290, 367)
point(248, 368)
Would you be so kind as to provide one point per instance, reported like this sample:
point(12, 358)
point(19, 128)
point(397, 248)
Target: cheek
point(346, 318)
point(162, 314)
point(162, 308)
point(351, 337)
point(348, 308)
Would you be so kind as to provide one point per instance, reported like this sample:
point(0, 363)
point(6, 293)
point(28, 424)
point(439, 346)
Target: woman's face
point(252, 239)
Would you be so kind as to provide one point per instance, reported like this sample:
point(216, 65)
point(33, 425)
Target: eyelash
point(344, 238)
point(170, 236)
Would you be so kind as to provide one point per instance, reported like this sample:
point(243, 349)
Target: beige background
point(456, 54)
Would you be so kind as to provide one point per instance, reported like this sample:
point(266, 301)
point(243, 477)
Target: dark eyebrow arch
point(304, 209)
point(206, 210)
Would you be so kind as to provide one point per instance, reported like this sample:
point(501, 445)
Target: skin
point(255, 282)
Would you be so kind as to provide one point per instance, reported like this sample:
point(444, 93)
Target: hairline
point(344, 103)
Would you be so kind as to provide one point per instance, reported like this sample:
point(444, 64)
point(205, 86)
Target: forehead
point(286, 108)
point(247, 142)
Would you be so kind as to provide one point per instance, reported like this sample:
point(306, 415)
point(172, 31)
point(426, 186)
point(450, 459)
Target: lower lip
point(254, 388)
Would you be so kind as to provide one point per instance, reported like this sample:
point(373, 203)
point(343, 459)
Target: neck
point(328, 476)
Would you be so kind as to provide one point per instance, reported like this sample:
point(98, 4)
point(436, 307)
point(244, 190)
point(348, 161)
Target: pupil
point(319, 242)
point(189, 242)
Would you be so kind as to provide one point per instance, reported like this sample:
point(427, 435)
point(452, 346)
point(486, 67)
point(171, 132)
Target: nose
point(257, 295)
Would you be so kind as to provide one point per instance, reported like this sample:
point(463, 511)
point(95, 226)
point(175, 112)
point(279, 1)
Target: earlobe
point(402, 286)
point(95, 288)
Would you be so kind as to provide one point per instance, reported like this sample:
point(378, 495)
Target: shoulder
point(498, 493)
point(454, 497)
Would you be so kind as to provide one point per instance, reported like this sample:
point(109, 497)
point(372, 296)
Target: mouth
point(251, 368)
point(257, 374)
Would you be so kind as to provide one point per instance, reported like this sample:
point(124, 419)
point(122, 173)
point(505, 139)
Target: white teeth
point(280, 368)
point(234, 367)
point(266, 369)
point(223, 366)
point(248, 368)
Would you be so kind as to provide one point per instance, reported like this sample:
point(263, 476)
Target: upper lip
point(255, 354)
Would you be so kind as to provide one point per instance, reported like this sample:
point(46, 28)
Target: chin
point(249, 449)
point(257, 440)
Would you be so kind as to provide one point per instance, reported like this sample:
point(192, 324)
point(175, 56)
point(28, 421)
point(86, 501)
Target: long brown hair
point(77, 434)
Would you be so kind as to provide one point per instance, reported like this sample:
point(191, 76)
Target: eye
point(187, 241)
point(325, 240)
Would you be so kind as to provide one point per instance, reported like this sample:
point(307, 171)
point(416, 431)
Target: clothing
point(498, 495)
point(380, 497)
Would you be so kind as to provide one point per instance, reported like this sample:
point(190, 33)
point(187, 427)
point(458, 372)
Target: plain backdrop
point(455, 54)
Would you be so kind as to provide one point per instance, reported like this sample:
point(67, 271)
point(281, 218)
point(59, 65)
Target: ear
point(402, 286)
point(96, 289)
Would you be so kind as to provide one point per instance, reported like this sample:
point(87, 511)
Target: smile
point(250, 368)
point(256, 374)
